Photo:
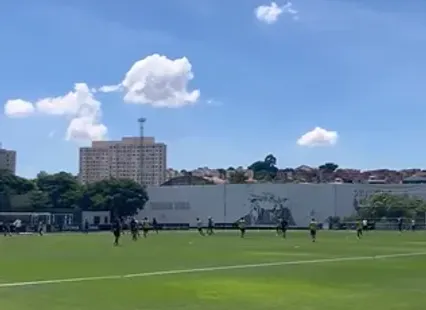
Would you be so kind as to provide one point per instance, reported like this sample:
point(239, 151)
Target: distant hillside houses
point(301, 174)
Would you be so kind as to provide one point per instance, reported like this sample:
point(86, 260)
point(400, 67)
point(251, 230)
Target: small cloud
point(318, 137)
point(214, 103)
point(18, 108)
point(270, 14)
point(109, 88)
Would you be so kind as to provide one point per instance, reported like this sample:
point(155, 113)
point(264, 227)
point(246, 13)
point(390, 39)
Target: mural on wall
point(267, 209)
point(264, 204)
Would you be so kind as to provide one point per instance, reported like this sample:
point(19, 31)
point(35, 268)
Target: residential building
point(212, 174)
point(7, 160)
point(123, 160)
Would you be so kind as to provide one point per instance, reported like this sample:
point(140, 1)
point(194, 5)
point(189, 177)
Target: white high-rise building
point(7, 160)
point(123, 160)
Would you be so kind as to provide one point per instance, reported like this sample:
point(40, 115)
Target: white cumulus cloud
point(18, 108)
point(270, 14)
point(86, 128)
point(158, 81)
point(318, 137)
point(84, 110)
point(79, 106)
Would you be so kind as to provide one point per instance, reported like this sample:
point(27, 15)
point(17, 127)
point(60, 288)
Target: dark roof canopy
point(415, 179)
point(187, 180)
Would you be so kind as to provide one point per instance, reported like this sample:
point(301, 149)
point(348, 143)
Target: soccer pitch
point(182, 270)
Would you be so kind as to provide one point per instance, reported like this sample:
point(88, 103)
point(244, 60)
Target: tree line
point(388, 205)
point(62, 192)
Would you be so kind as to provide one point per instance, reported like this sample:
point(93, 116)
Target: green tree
point(238, 177)
point(62, 189)
point(121, 197)
point(326, 171)
point(329, 167)
point(12, 186)
point(222, 173)
point(389, 205)
point(265, 169)
point(38, 200)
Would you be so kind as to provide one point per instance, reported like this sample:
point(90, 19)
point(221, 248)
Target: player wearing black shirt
point(279, 225)
point(86, 227)
point(6, 229)
point(400, 223)
point(134, 229)
point(242, 227)
point(210, 226)
point(283, 228)
point(359, 227)
point(155, 225)
point(116, 230)
point(313, 226)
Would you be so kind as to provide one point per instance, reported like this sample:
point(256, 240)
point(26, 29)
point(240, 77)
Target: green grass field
point(307, 276)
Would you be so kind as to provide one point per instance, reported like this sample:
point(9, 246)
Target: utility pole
point(141, 122)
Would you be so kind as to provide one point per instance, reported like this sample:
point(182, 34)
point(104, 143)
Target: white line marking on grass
point(208, 269)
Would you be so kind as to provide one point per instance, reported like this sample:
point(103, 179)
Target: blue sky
point(354, 68)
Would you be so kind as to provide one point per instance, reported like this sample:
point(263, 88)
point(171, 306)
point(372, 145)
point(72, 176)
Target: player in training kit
point(242, 227)
point(284, 227)
point(155, 225)
point(413, 224)
point(40, 228)
point(134, 229)
point(313, 226)
point(210, 226)
point(279, 225)
point(145, 227)
point(116, 230)
point(359, 227)
point(400, 223)
point(364, 225)
point(200, 227)
point(6, 230)
point(86, 227)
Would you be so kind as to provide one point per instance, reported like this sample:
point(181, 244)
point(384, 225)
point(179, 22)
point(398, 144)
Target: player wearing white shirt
point(200, 227)
point(364, 225)
point(413, 224)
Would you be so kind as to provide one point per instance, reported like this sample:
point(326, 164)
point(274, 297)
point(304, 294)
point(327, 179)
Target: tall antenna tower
point(141, 122)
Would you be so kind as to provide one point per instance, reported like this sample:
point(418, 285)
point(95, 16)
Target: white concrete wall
point(90, 217)
point(261, 204)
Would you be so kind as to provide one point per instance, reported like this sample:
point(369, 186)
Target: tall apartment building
point(122, 160)
point(7, 160)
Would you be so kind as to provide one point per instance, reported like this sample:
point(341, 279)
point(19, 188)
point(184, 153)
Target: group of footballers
point(208, 230)
point(134, 228)
point(145, 225)
point(362, 225)
point(15, 227)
